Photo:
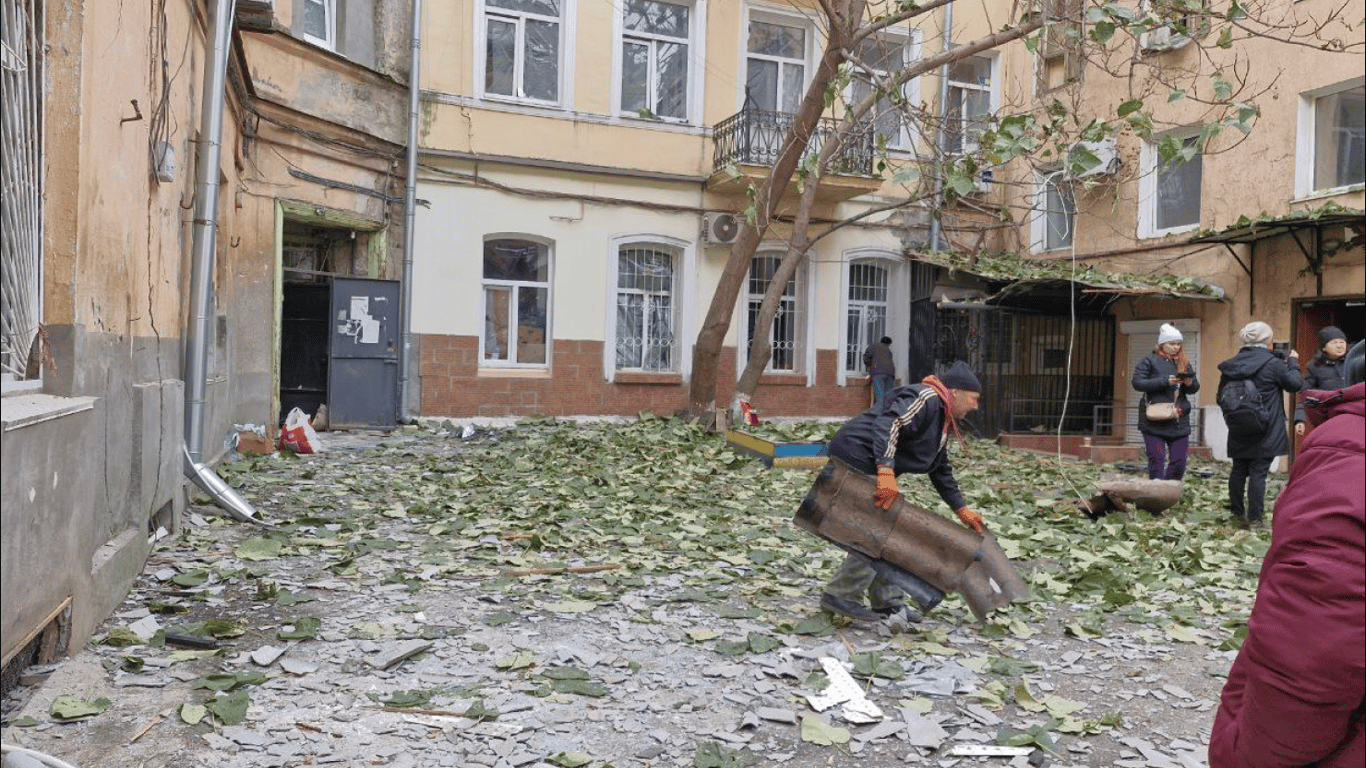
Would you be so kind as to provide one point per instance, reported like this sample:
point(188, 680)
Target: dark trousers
point(1166, 458)
point(882, 384)
point(1252, 473)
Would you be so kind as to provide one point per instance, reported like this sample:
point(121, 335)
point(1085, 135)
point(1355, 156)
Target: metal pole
point(941, 140)
point(405, 415)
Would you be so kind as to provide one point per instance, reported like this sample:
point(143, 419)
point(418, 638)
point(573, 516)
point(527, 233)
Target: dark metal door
point(362, 371)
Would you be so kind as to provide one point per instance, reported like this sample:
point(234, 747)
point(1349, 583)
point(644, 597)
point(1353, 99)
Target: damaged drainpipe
point(201, 267)
point(405, 415)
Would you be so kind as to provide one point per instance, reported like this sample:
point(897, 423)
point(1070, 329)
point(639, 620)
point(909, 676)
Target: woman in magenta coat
point(1296, 692)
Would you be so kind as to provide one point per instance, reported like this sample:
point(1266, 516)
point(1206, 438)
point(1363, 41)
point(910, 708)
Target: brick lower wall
point(452, 386)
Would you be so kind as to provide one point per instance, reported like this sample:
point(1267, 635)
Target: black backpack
point(1242, 407)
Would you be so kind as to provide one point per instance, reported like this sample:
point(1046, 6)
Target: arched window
point(787, 336)
point(516, 302)
point(647, 314)
point(865, 310)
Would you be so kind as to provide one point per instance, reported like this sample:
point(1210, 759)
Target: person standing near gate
point(1326, 371)
point(881, 368)
point(1165, 377)
point(1253, 447)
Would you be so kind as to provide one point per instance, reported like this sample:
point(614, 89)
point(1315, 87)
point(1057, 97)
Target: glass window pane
point(516, 260)
point(543, 7)
point(635, 74)
point(659, 351)
point(1059, 213)
point(1340, 139)
point(500, 58)
point(1178, 193)
point(853, 324)
point(630, 329)
point(672, 85)
point(540, 73)
point(793, 85)
point(655, 17)
point(777, 40)
point(761, 85)
point(971, 69)
point(531, 324)
point(496, 323)
point(315, 19)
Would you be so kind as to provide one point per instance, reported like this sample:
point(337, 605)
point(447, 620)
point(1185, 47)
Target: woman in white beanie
point(1165, 376)
point(1252, 448)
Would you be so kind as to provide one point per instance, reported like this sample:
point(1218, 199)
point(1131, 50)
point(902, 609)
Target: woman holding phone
point(1165, 377)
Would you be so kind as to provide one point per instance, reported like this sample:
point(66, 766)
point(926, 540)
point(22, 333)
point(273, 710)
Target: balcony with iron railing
point(751, 140)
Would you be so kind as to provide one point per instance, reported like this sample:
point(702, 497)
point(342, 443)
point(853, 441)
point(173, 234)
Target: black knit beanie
point(960, 376)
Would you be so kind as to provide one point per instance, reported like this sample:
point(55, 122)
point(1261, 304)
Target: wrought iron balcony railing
point(755, 137)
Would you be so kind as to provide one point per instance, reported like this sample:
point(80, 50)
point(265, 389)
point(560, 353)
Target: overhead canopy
point(1019, 282)
point(1251, 230)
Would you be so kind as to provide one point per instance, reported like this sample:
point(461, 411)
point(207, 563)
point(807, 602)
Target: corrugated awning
point(1261, 229)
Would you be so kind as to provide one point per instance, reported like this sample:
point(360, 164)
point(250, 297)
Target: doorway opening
point(1313, 315)
point(311, 256)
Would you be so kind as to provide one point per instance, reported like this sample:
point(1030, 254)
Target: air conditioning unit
point(985, 176)
point(1105, 151)
point(1162, 38)
point(720, 228)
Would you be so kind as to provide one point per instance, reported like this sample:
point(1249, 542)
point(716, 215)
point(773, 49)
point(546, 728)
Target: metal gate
point(362, 371)
point(1038, 372)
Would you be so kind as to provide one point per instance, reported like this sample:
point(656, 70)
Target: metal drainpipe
point(201, 269)
point(405, 415)
point(936, 226)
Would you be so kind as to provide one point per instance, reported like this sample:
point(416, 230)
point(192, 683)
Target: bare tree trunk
point(707, 350)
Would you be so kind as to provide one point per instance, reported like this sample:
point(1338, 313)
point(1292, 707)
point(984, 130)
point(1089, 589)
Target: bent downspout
point(941, 140)
point(405, 415)
point(201, 267)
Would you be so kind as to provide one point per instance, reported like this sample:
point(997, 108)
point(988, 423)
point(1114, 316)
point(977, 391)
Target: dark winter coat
point(877, 358)
point(905, 432)
point(1296, 692)
point(1322, 373)
point(1271, 374)
point(1150, 378)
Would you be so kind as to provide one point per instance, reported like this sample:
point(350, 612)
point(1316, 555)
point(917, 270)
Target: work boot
point(848, 608)
point(900, 610)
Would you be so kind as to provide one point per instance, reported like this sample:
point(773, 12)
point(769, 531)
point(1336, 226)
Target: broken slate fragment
point(880, 731)
point(392, 655)
point(145, 627)
point(266, 655)
point(298, 666)
point(922, 731)
point(777, 715)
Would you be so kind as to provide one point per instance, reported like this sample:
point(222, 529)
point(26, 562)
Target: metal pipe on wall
point(941, 140)
point(410, 216)
point(201, 265)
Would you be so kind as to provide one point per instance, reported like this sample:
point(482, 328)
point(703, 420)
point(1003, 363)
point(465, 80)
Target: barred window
point(866, 310)
point(647, 308)
point(789, 322)
point(21, 177)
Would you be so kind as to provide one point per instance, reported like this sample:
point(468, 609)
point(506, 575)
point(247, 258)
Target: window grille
point(788, 321)
point(645, 310)
point(21, 182)
point(866, 316)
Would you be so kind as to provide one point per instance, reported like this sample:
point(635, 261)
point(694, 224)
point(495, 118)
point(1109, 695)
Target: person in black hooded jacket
point(1252, 454)
point(1326, 371)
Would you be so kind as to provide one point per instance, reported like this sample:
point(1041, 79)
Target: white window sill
point(506, 105)
point(514, 373)
point(1323, 194)
point(25, 410)
point(1168, 232)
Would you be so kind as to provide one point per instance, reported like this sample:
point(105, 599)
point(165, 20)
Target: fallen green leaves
point(67, 707)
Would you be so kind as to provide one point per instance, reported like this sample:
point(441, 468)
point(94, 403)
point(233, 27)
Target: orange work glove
point(971, 519)
point(887, 491)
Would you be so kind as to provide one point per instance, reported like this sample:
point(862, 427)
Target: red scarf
point(946, 395)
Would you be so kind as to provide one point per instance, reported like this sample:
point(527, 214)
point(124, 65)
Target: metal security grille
point(645, 310)
point(788, 321)
point(1029, 384)
point(21, 184)
point(867, 314)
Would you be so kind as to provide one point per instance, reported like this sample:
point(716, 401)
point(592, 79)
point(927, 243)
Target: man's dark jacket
point(1271, 375)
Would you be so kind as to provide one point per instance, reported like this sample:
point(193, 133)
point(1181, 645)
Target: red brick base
point(452, 386)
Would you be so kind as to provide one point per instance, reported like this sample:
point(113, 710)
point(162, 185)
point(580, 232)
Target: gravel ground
point(437, 667)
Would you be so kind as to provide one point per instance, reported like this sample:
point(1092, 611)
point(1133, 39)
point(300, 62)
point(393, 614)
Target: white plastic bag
point(298, 434)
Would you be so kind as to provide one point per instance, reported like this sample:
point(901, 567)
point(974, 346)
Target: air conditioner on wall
point(1162, 38)
point(720, 228)
point(1104, 150)
point(985, 176)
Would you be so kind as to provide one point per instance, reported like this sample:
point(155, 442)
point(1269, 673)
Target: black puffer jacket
point(1271, 375)
point(905, 432)
point(1150, 377)
point(1322, 373)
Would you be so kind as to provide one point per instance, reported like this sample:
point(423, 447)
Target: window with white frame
point(775, 63)
point(880, 57)
point(1169, 190)
point(866, 309)
point(1339, 139)
point(522, 49)
point(516, 302)
point(655, 58)
point(1055, 211)
point(1060, 46)
point(647, 308)
point(319, 22)
point(21, 177)
point(970, 102)
point(786, 336)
